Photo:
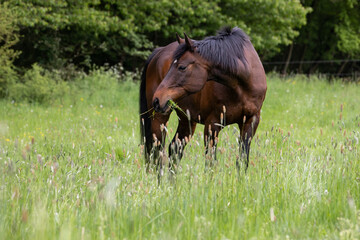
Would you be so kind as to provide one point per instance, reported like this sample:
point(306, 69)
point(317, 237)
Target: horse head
point(188, 74)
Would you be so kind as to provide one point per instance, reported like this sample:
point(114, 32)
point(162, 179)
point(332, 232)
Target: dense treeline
point(332, 32)
point(69, 35)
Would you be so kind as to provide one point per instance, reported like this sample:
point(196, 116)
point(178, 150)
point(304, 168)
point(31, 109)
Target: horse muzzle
point(158, 108)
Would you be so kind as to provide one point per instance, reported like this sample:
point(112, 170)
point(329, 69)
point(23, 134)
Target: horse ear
point(178, 38)
point(189, 42)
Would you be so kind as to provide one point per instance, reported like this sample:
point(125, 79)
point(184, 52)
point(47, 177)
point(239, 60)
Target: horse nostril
point(156, 105)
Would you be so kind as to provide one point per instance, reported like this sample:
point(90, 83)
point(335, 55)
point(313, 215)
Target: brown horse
point(219, 81)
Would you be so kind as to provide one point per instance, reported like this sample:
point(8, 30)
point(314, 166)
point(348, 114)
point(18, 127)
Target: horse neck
point(230, 79)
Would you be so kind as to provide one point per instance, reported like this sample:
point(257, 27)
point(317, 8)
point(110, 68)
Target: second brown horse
point(218, 81)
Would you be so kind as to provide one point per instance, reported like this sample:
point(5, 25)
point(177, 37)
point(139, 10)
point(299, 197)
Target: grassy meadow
point(74, 169)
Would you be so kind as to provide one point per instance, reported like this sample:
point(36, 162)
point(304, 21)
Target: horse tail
point(145, 120)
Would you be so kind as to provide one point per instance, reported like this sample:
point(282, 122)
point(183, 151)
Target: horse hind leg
point(247, 131)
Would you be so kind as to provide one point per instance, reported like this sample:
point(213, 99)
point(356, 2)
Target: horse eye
point(182, 68)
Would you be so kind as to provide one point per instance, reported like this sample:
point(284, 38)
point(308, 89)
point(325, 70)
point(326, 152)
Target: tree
point(8, 38)
point(56, 34)
point(348, 28)
point(332, 32)
point(270, 23)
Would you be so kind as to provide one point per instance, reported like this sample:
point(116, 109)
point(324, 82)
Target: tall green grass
point(75, 169)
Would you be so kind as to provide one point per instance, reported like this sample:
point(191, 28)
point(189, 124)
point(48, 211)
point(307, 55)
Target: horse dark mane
point(223, 50)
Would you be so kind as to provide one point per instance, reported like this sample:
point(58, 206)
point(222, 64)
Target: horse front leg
point(183, 134)
point(211, 133)
point(247, 131)
point(157, 154)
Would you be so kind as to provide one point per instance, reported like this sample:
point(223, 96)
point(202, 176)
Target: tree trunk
point(300, 70)
point(342, 67)
point(288, 59)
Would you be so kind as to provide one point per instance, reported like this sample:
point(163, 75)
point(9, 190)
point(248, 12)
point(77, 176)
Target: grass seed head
point(272, 215)
point(23, 154)
point(188, 114)
point(39, 158)
point(24, 216)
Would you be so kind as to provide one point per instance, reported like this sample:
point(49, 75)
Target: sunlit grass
point(75, 170)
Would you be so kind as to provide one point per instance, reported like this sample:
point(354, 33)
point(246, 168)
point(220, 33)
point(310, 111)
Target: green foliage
point(196, 18)
point(8, 38)
point(38, 85)
point(332, 30)
point(74, 36)
point(99, 86)
point(348, 28)
point(59, 33)
point(270, 23)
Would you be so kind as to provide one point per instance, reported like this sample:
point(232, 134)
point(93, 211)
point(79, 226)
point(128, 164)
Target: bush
point(101, 86)
point(8, 37)
point(39, 85)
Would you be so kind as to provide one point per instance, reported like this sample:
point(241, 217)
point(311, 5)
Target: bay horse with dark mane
point(217, 81)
